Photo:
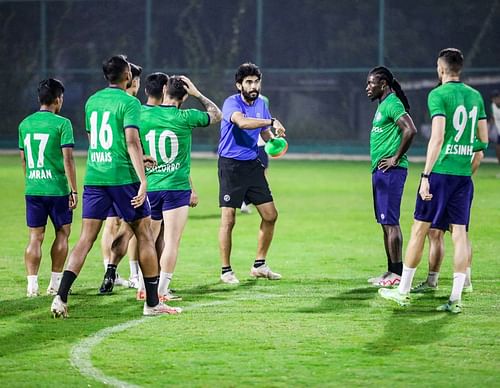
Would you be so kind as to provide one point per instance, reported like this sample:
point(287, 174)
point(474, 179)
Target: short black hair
point(114, 67)
point(175, 87)
point(453, 58)
point(48, 90)
point(155, 83)
point(245, 70)
point(135, 69)
point(495, 93)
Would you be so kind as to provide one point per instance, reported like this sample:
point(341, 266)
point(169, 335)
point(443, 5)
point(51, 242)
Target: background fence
point(315, 55)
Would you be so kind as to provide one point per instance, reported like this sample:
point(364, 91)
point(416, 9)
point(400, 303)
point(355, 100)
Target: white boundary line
point(81, 353)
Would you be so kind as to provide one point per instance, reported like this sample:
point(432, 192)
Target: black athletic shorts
point(240, 179)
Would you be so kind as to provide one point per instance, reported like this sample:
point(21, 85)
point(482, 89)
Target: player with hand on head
point(459, 129)
point(46, 146)
point(241, 174)
point(391, 136)
point(166, 132)
point(115, 177)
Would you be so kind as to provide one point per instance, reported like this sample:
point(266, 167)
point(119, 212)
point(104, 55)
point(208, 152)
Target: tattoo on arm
point(213, 110)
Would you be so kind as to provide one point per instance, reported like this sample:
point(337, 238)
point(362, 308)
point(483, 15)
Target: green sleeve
point(482, 111)
point(435, 105)
point(21, 141)
point(197, 118)
point(397, 111)
point(67, 133)
point(132, 114)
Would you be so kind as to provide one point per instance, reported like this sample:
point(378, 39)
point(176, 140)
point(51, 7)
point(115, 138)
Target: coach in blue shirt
point(241, 173)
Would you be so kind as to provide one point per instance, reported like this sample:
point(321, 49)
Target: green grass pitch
point(322, 325)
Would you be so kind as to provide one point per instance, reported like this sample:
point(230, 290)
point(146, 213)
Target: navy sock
point(397, 268)
point(67, 281)
point(226, 269)
point(151, 285)
point(259, 263)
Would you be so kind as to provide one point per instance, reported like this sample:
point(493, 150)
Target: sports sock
point(165, 278)
point(396, 268)
point(32, 282)
point(151, 285)
point(111, 271)
point(55, 280)
point(406, 279)
point(226, 269)
point(67, 281)
point(468, 281)
point(458, 286)
point(432, 278)
point(134, 268)
point(105, 262)
point(259, 263)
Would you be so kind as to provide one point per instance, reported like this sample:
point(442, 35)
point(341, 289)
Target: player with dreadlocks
point(391, 136)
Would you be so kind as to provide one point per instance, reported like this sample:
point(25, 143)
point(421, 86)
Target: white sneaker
point(52, 291)
point(32, 292)
point(120, 281)
point(169, 297)
point(59, 309)
point(264, 272)
point(391, 280)
point(377, 279)
point(229, 278)
point(160, 309)
point(133, 282)
point(245, 209)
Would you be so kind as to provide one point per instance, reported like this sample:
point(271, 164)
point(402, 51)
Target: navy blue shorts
point(112, 212)
point(167, 200)
point(451, 201)
point(387, 193)
point(97, 201)
point(41, 207)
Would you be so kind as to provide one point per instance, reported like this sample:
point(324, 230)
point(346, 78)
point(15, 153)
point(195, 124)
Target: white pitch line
point(81, 353)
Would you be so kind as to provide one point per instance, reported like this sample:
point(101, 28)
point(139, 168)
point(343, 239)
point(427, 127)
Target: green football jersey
point(42, 135)
point(385, 137)
point(463, 107)
point(166, 136)
point(107, 113)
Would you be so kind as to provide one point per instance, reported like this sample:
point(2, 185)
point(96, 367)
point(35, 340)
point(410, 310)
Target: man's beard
point(248, 95)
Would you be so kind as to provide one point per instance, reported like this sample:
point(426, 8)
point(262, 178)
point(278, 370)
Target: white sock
point(55, 280)
point(406, 279)
point(458, 286)
point(432, 278)
point(142, 287)
point(468, 280)
point(134, 268)
point(105, 262)
point(32, 282)
point(165, 278)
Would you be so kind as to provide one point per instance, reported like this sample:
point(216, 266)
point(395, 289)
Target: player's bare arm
point(212, 109)
point(70, 170)
point(135, 151)
point(23, 161)
point(193, 200)
point(433, 149)
point(408, 132)
point(243, 122)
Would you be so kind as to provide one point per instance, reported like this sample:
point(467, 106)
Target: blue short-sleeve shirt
point(237, 143)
